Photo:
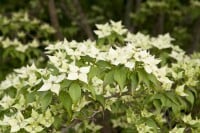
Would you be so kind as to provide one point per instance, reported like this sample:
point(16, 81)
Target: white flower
point(93, 52)
point(144, 128)
point(53, 47)
point(118, 27)
point(188, 119)
point(21, 104)
point(16, 122)
point(22, 48)
point(180, 90)
point(177, 130)
point(52, 84)
point(78, 73)
point(34, 43)
point(103, 30)
point(141, 55)
point(162, 41)
point(139, 40)
point(6, 101)
point(58, 59)
point(47, 119)
point(33, 125)
point(81, 104)
point(120, 56)
point(5, 84)
point(32, 80)
point(98, 85)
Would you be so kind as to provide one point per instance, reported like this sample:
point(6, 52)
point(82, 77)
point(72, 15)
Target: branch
point(54, 19)
point(129, 7)
point(196, 37)
point(137, 8)
point(159, 25)
point(83, 19)
point(65, 129)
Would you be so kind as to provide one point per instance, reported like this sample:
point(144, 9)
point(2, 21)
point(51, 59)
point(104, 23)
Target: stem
point(83, 19)
point(129, 7)
point(54, 19)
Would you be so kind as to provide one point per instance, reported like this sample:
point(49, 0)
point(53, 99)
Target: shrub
point(121, 82)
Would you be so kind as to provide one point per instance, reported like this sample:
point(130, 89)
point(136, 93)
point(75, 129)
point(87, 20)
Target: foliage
point(120, 82)
point(21, 41)
point(180, 18)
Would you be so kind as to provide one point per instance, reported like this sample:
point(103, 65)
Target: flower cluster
point(83, 79)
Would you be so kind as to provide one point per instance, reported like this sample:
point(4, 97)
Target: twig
point(128, 10)
point(76, 121)
point(196, 37)
point(83, 19)
point(54, 19)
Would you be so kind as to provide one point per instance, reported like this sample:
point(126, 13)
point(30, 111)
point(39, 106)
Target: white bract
point(16, 122)
point(6, 101)
point(180, 90)
point(79, 73)
point(34, 121)
point(47, 119)
point(52, 83)
point(103, 30)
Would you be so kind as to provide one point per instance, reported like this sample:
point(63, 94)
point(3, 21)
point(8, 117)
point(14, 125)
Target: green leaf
point(172, 97)
point(66, 101)
point(157, 104)
point(45, 99)
point(101, 99)
point(183, 103)
point(30, 97)
point(94, 71)
point(120, 77)
point(134, 81)
point(143, 77)
point(65, 84)
point(101, 41)
point(57, 122)
point(91, 88)
point(151, 123)
point(154, 80)
point(108, 78)
point(75, 92)
point(190, 98)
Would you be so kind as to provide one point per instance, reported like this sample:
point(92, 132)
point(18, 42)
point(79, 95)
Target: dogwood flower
point(47, 119)
point(16, 122)
point(116, 58)
point(118, 27)
point(188, 119)
point(53, 47)
point(162, 41)
point(144, 128)
point(103, 30)
point(6, 101)
point(5, 84)
point(177, 130)
point(21, 104)
point(52, 83)
point(58, 58)
point(78, 73)
point(33, 125)
point(139, 40)
point(180, 91)
point(98, 85)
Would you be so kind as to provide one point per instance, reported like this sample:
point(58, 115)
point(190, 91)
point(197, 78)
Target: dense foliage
point(120, 82)
point(21, 41)
point(75, 19)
